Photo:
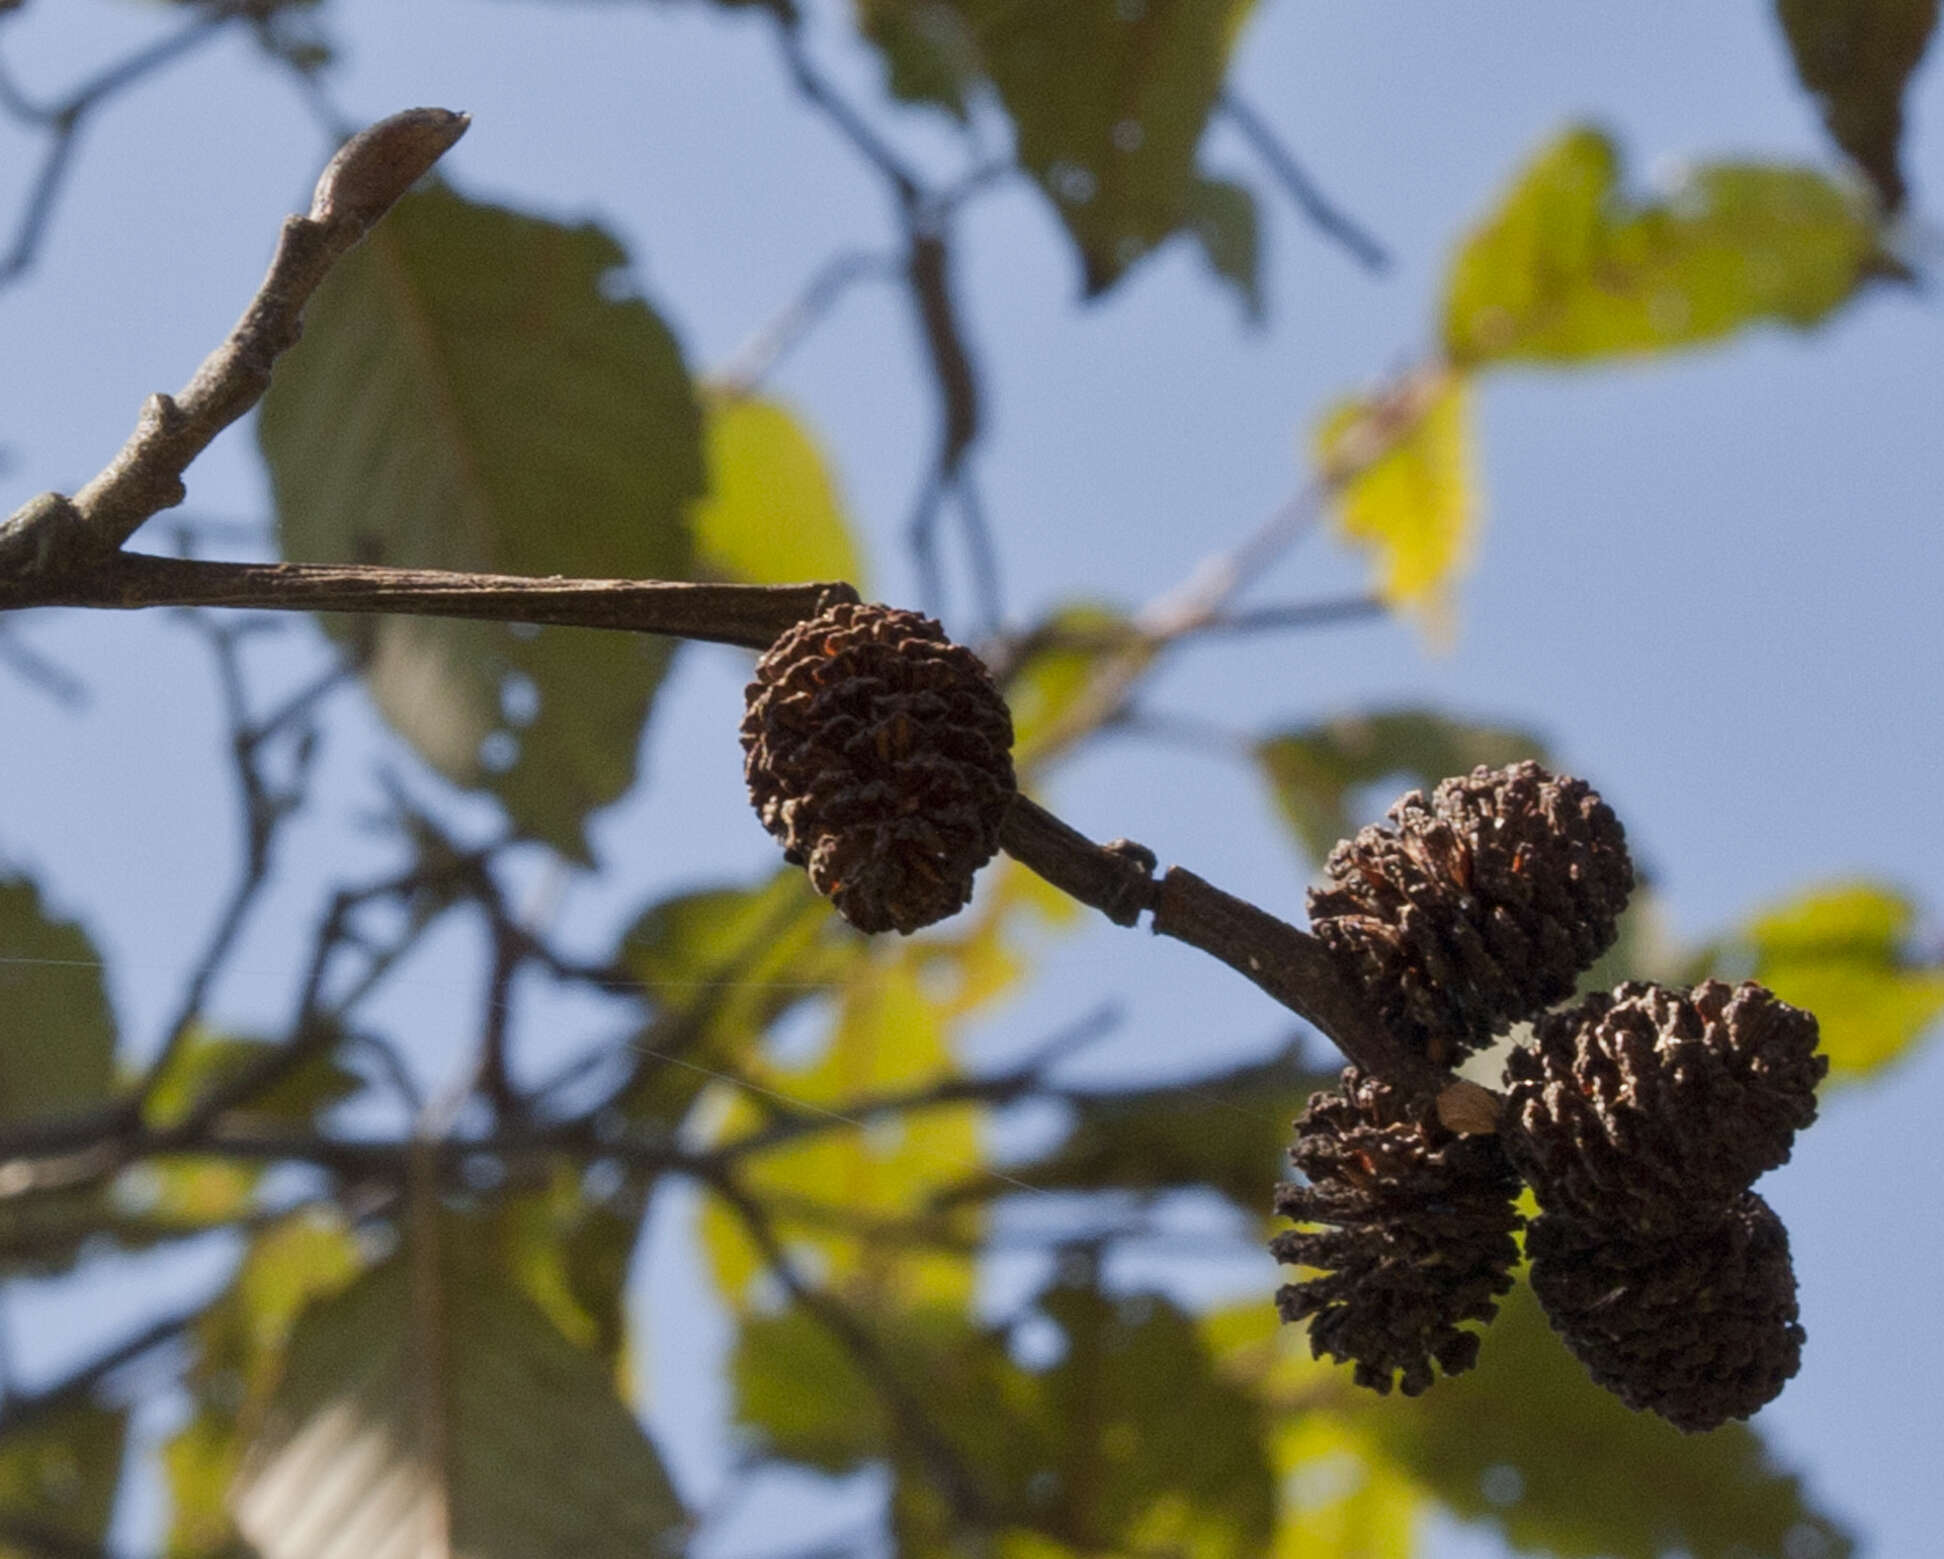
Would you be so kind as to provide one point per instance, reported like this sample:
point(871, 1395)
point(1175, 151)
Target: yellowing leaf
point(1407, 492)
point(1569, 269)
point(1841, 953)
point(773, 515)
point(1341, 1498)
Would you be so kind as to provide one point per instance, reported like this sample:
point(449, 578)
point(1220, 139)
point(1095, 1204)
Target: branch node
point(46, 537)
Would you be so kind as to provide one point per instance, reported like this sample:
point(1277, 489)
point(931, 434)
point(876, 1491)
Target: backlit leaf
point(1843, 952)
point(1313, 771)
point(57, 1034)
point(773, 515)
point(1570, 269)
point(1856, 56)
point(1073, 658)
point(1406, 492)
point(434, 1388)
point(472, 392)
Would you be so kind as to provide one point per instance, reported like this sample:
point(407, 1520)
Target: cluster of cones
point(1639, 1118)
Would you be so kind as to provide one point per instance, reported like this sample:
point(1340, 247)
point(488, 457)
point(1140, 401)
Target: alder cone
point(1478, 907)
point(880, 753)
point(1419, 1234)
point(1700, 1328)
point(1654, 1109)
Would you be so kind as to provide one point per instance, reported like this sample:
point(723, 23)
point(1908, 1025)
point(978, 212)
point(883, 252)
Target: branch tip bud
point(378, 165)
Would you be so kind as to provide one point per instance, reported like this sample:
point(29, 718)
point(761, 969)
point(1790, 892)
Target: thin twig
point(63, 122)
point(759, 356)
point(1301, 188)
point(361, 183)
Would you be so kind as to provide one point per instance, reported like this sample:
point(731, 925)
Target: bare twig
point(369, 173)
point(748, 615)
point(63, 121)
point(831, 282)
point(1301, 188)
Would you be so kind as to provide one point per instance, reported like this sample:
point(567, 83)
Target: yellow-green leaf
point(773, 515)
point(1568, 268)
point(1406, 492)
point(1842, 952)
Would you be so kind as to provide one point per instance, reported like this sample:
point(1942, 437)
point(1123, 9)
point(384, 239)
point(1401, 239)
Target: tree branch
point(1301, 188)
point(747, 615)
point(360, 184)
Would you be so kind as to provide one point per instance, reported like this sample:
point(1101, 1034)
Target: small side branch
point(1301, 188)
point(362, 182)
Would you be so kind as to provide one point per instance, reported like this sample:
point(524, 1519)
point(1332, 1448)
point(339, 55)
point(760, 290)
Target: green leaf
point(1109, 99)
point(1569, 269)
point(1843, 952)
point(1857, 56)
point(1402, 466)
point(58, 1477)
point(773, 515)
point(472, 393)
point(433, 1388)
point(928, 51)
point(57, 1034)
point(1222, 216)
point(1228, 1131)
point(570, 1253)
point(1313, 770)
point(1528, 1445)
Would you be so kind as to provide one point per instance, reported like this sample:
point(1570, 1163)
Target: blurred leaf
point(1406, 493)
point(1228, 1131)
point(1060, 664)
point(1109, 99)
point(1842, 952)
point(1528, 1445)
point(206, 1060)
point(1130, 1443)
point(1569, 269)
point(569, 1252)
point(472, 392)
point(1341, 1499)
point(855, 1194)
point(719, 966)
point(435, 1386)
point(1222, 216)
point(58, 1477)
point(57, 1034)
point(1856, 56)
point(928, 52)
point(773, 515)
point(1314, 770)
point(239, 1351)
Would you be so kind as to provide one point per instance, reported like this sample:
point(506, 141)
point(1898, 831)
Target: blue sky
point(1713, 581)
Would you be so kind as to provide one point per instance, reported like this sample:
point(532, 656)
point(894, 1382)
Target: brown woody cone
point(1419, 1239)
point(880, 754)
point(1654, 1109)
point(1700, 1328)
point(1478, 907)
